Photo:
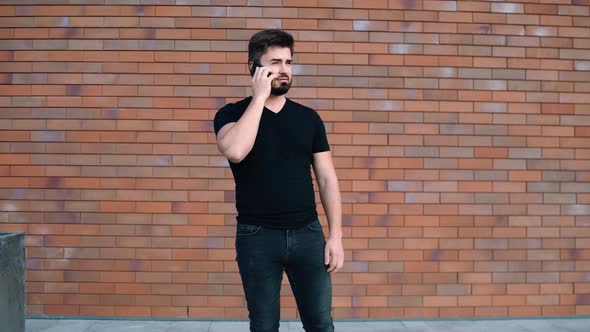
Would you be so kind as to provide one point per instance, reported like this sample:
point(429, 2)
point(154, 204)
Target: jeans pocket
point(247, 230)
point(315, 226)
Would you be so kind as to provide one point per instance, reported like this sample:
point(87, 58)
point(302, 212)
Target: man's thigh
point(309, 278)
point(261, 272)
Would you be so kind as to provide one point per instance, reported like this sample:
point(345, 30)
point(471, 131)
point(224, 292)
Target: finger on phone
point(267, 72)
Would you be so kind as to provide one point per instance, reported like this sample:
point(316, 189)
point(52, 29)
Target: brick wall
point(460, 131)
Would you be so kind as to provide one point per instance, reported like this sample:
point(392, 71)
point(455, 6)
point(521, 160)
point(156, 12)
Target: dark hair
point(264, 39)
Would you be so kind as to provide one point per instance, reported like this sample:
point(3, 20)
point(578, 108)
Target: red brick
point(489, 160)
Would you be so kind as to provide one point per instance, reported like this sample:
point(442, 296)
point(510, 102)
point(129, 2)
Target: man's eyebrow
point(278, 59)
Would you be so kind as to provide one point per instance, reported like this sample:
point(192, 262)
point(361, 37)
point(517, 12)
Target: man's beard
point(281, 89)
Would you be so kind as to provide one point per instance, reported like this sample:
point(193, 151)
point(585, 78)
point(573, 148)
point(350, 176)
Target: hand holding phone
point(261, 84)
point(256, 64)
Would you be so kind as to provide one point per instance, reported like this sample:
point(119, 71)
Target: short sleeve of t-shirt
point(320, 140)
point(225, 115)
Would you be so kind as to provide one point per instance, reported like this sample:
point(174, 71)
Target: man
point(271, 142)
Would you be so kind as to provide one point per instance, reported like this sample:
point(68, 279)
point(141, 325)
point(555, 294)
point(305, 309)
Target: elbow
point(230, 152)
point(234, 156)
point(235, 160)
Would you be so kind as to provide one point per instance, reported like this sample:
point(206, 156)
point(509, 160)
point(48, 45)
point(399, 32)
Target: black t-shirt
point(274, 187)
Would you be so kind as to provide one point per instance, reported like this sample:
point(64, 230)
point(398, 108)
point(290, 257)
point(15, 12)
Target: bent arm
point(236, 139)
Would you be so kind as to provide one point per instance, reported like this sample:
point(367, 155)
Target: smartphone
point(256, 64)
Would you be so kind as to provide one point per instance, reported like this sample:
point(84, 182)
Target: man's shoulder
point(231, 112)
point(304, 109)
point(299, 105)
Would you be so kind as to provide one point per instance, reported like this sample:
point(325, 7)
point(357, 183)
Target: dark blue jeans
point(263, 254)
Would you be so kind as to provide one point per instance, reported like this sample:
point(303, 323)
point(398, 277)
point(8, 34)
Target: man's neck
point(275, 103)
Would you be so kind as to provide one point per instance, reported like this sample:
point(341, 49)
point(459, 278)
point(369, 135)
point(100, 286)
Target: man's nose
point(283, 68)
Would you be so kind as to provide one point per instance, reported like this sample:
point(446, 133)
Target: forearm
point(331, 201)
point(239, 140)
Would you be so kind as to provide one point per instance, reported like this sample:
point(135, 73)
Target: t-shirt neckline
point(282, 108)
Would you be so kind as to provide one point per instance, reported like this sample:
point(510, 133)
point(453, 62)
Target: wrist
point(335, 236)
point(258, 99)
